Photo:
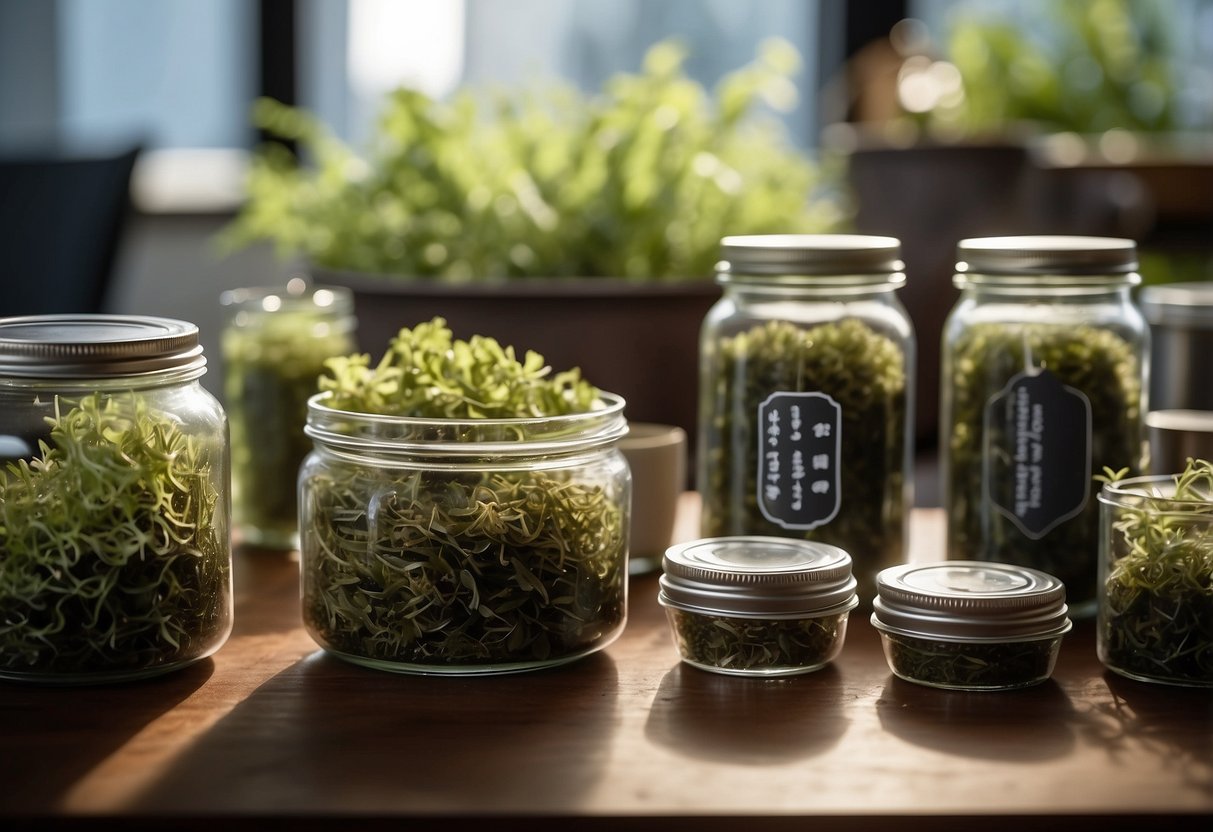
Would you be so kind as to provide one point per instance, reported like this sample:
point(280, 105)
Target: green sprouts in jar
point(114, 557)
point(724, 643)
point(464, 511)
point(1088, 362)
point(1156, 588)
point(864, 373)
point(997, 665)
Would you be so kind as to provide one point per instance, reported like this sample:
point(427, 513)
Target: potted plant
point(584, 227)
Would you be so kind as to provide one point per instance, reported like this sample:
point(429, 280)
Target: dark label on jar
point(798, 457)
point(1038, 452)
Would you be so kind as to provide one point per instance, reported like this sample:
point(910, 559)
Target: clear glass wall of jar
point(806, 397)
point(1044, 385)
point(115, 544)
point(274, 348)
point(464, 546)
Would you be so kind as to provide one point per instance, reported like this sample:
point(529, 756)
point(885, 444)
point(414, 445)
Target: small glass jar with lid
point(274, 348)
point(464, 546)
point(806, 396)
point(115, 552)
point(757, 606)
point(969, 625)
point(1155, 577)
point(1043, 386)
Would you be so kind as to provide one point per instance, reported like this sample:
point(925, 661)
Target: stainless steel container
point(1181, 322)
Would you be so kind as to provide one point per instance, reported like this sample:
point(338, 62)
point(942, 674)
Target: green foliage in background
point(1096, 65)
point(640, 181)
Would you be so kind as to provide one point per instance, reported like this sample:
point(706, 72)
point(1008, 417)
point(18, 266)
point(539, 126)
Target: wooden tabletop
point(273, 730)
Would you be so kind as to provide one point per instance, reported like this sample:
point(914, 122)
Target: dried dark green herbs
point(114, 557)
point(487, 563)
point(1156, 613)
point(971, 665)
point(1094, 361)
point(757, 644)
point(861, 369)
point(271, 367)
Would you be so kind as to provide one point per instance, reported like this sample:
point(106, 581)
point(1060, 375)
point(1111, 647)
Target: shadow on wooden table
point(364, 741)
point(717, 717)
point(62, 724)
point(1017, 726)
point(1170, 726)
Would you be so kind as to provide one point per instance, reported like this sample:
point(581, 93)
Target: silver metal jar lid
point(96, 346)
point(757, 577)
point(1046, 255)
point(810, 255)
point(1179, 304)
point(969, 601)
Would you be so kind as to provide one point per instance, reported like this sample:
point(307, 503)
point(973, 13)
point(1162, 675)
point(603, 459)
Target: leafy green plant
point(1156, 611)
point(756, 644)
point(482, 562)
point(1096, 362)
point(114, 559)
point(641, 181)
point(864, 372)
point(1098, 65)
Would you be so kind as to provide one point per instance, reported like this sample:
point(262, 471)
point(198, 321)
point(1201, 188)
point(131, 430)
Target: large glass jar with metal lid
point(115, 553)
point(1044, 368)
point(274, 348)
point(806, 396)
point(464, 546)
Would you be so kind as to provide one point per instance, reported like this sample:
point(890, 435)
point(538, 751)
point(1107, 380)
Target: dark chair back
point(61, 221)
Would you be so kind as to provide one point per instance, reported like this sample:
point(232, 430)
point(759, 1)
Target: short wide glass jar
point(1156, 580)
point(806, 396)
point(967, 625)
point(757, 606)
point(478, 546)
point(115, 545)
point(274, 348)
point(1043, 381)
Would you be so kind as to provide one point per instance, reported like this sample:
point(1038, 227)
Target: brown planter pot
point(639, 340)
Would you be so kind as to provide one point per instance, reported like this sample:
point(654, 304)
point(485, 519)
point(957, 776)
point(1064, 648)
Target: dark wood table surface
point(273, 732)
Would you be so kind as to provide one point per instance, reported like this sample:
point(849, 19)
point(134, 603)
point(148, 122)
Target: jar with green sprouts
point(115, 553)
point(464, 511)
point(1044, 363)
point(274, 348)
point(806, 395)
point(1156, 576)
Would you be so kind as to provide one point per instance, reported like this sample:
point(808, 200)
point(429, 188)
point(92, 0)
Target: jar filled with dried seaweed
point(274, 348)
point(464, 511)
point(806, 396)
point(757, 606)
point(115, 554)
point(1156, 577)
point(969, 625)
point(1044, 364)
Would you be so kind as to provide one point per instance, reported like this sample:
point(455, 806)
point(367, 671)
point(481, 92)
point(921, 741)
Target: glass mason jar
point(757, 606)
point(115, 545)
point(806, 397)
point(464, 546)
point(968, 625)
point(1043, 386)
point(1155, 573)
point(274, 348)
